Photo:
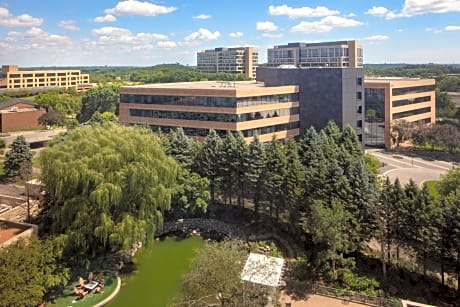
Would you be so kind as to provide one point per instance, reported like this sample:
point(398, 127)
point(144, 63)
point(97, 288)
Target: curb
point(111, 296)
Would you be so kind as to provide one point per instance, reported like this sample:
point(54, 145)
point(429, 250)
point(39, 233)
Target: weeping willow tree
point(107, 186)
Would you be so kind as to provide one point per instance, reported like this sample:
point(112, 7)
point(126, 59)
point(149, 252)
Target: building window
point(359, 81)
point(359, 123)
point(412, 89)
point(359, 95)
point(400, 115)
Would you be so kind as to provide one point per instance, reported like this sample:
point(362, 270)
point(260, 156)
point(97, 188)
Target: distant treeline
point(163, 73)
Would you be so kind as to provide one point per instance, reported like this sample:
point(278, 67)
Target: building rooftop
point(395, 79)
point(211, 88)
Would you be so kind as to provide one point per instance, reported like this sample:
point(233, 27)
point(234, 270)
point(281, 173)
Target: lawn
point(432, 187)
point(68, 298)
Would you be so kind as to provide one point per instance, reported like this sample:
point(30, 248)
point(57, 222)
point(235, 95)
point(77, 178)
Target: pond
point(159, 269)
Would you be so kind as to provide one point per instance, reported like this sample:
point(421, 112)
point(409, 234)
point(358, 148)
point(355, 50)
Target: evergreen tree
point(208, 160)
point(227, 164)
point(349, 140)
point(276, 170)
point(239, 164)
point(181, 148)
point(293, 183)
point(256, 171)
point(18, 161)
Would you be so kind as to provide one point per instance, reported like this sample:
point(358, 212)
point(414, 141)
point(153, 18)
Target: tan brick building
point(247, 106)
point(324, 54)
point(17, 114)
point(12, 77)
point(238, 60)
point(389, 100)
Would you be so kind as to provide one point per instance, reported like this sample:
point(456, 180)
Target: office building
point(240, 60)
point(392, 100)
point(18, 114)
point(197, 107)
point(324, 94)
point(13, 78)
point(325, 54)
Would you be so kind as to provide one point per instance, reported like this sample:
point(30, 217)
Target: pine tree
point(227, 166)
point(240, 156)
point(181, 148)
point(276, 170)
point(18, 161)
point(208, 161)
point(256, 171)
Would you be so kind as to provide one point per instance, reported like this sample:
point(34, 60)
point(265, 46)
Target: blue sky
point(145, 33)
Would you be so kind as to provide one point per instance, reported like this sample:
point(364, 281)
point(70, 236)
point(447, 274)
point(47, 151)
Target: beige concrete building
point(389, 100)
point(13, 78)
point(325, 54)
point(239, 60)
point(197, 107)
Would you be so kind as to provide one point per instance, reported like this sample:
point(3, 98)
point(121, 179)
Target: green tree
point(327, 225)
point(276, 166)
point(31, 270)
point(450, 181)
point(372, 163)
point(226, 165)
point(52, 118)
point(239, 166)
point(66, 103)
point(98, 117)
point(293, 183)
point(102, 99)
point(210, 153)
point(181, 148)
point(18, 161)
point(214, 276)
point(107, 186)
point(445, 107)
point(256, 171)
point(191, 193)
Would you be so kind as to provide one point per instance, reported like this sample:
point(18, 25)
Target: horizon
point(147, 33)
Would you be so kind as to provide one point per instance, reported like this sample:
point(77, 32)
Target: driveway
point(397, 165)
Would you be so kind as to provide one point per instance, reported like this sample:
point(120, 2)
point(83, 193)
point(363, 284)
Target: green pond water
point(158, 272)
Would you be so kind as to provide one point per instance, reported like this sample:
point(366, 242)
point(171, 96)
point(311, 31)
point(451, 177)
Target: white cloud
point(305, 11)
point(235, 34)
point(325, 25)
point(452, 28)
point(36, 38)
point(272, 35)
point(417, 7)
point(24, 20)
point(202, 16)
point(133, 7)
point(377, 11)
point(400, 30)
point(202, 35)
point(350, 15)
point(376, 38)
point(266, 26)
point(106, 18)
point(122, 39)
point(68, 25)
point(166, 44)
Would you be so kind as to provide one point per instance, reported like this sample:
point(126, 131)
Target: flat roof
point(264, 270)
point(389, 80)
point(210, 88)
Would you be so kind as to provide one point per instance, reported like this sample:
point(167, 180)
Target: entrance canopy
point(264, 270)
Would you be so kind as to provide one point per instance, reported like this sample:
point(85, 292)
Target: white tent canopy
point(264, 270)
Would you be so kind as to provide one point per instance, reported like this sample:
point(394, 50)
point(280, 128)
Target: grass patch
point(433, 188)
point(68, 298)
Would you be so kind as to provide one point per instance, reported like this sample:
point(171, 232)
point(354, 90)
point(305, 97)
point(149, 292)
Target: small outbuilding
point(19, 114)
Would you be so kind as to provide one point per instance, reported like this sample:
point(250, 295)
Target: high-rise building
point(13, 78)
point(390, 101)
point(245, 106)
point(325, 54)
point(240, 60)
point(324, 94)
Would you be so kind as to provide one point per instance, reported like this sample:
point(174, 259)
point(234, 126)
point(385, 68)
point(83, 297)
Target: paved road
point(404, 167)
point(34, 136)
